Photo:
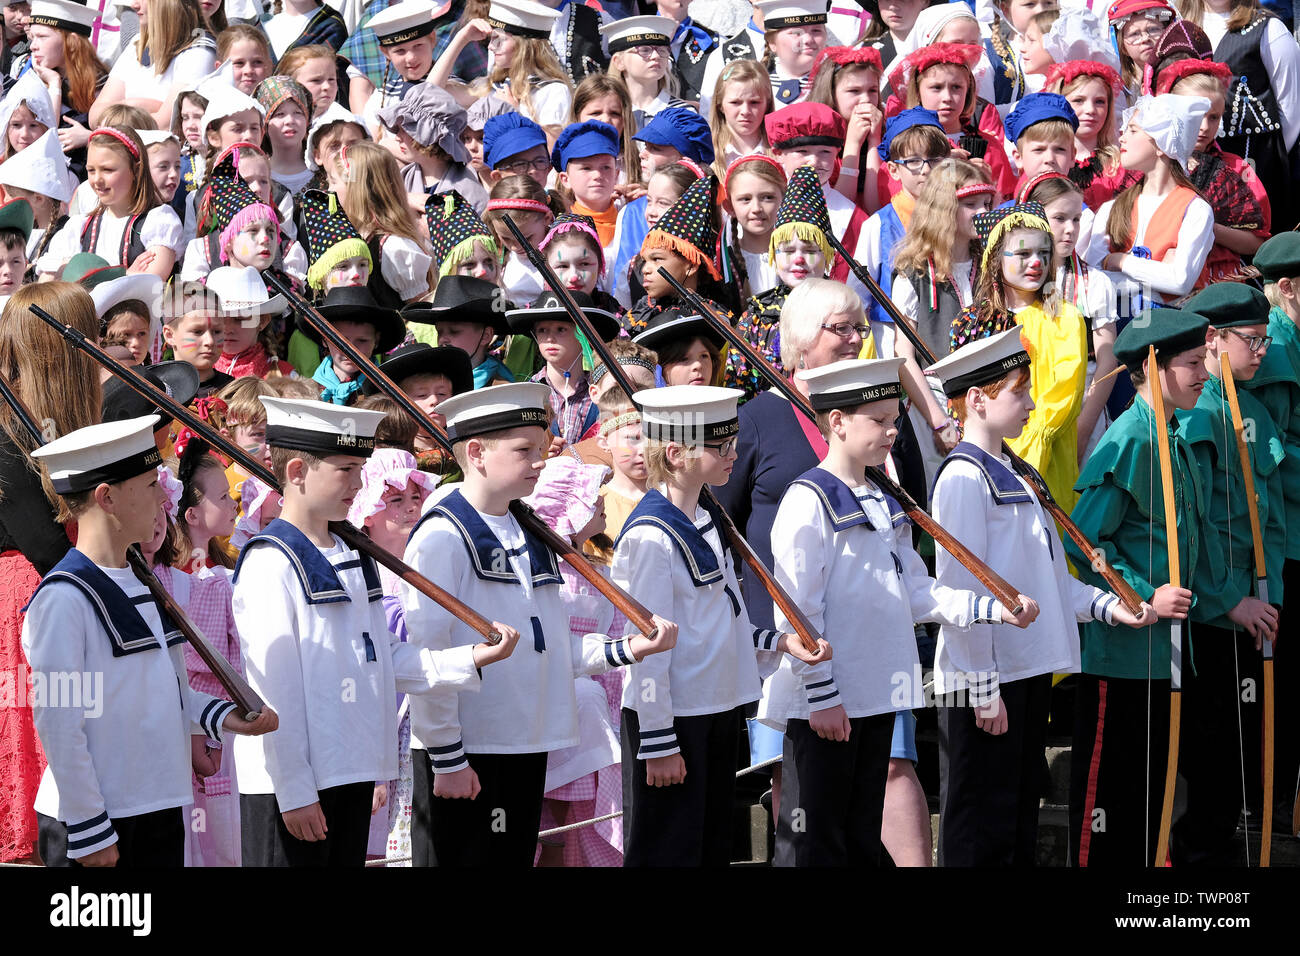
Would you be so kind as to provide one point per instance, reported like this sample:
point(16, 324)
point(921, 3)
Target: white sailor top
point(317, 648)
point(103, 674)
point(678, 567)
point(527, 702)
point(845, 556)
point(994, 512)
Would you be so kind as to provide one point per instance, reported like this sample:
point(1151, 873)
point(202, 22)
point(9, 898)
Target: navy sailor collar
point(118, 614)
point(486, 550)
point(318, 578)
point(657, 511)
point(1004, 484)
point(842, 505)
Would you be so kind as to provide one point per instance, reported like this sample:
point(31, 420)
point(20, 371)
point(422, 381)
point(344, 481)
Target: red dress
point(22, 761)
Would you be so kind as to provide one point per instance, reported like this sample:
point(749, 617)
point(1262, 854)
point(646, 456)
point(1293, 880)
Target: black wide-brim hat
point(418, 358)
point(548, 307)
point(355, 303)
point(669, 327)
point(464, 299)
point(180, 380)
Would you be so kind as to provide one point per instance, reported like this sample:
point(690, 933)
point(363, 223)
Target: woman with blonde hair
point(374, 197)
point(60, 387)
point(173, 51)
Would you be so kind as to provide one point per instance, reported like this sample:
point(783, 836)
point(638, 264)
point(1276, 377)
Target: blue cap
point(916, 116)
point(580, 140)
point(509, 135)
point(1037, 108)
point(684, 130)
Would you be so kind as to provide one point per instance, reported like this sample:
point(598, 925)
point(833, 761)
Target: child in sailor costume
point(992, 742)
point(682, 711)
point(843, 550)
point(119, 769)
point(317, 647)
point(477, 759)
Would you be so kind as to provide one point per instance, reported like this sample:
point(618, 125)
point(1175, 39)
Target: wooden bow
point(249, 703)
point(632, 609)
point(1175, 625)
point(1261, 590)
point(1127, 596)
point(353, 538)
point(994, 582)
point(803, 628)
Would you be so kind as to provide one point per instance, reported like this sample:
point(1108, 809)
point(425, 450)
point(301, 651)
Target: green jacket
point(1277, 386)
point(1121, 510)
point(1226, 572)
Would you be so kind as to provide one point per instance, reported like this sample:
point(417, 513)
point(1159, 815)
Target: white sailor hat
point(42, 168)
point(495, 408)
point(522, 18)
point(320, 428)
point(639, 31)
point(404, 22)
point(852, 382)
point(73, 17)
point(242, 291)
point(31, 91)
point(224, 100)
point(101, 454)
point(139, 287)
point(689, 414)
point(980, 362)
point(779, 14)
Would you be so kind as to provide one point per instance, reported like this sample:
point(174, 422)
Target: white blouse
point(187, 67)
point(405, 267)
point(1170, 279)
point(161, 227)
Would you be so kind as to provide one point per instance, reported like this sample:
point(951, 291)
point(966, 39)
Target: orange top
point(1162, 231)
point(605, 221)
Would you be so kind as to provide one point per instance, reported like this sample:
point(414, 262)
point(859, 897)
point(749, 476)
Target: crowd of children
point(984, 247)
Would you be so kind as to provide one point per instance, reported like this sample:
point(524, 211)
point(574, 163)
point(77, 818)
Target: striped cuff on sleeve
point(985, 609)
point(983, 688)
point(766, 639)
point(619, 653)
point(1103, 607)
point(448, 758)
point(212, 716)
point(822, 694)
point(90, 835)
point(658, 743)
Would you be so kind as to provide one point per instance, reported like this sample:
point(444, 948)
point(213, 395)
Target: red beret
point(805, 124)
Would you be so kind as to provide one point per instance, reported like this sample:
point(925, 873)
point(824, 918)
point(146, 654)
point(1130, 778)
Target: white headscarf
point(1172, 120)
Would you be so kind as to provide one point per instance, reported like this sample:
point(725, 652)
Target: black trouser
point(833, 794)
point(990, 785)
point(688, 823)
point(266, 841)
point(1117, 769)
point(1211, 748)
point(1286, 682)
point(497, 828)
point(155, 839)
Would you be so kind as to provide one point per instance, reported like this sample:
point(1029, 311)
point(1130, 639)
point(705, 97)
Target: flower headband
point(842, 56)
point(524, 205)
point(1071, 70)
point(1181, 69)
point(597, 373)
point(119, 136)
point(751, 158)
point(976, 189)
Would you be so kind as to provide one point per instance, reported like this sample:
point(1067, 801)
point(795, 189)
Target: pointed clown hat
point(689, 228)
point(328, 235)
point(803, 214)
point(454, 227)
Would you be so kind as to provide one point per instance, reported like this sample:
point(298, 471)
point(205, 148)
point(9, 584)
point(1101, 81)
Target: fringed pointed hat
point(689, 228)
point(803, 214)
point(454, 227)
point(328, 234)
point(228, 204)
point(990, 226)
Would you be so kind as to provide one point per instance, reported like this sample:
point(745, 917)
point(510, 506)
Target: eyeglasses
point(498, 40)
point(1253, 342)
point(917, 164)
point(1152, 32)
point(722, 448)
point(649, 52)
point(522, 167)
point(845, 330)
